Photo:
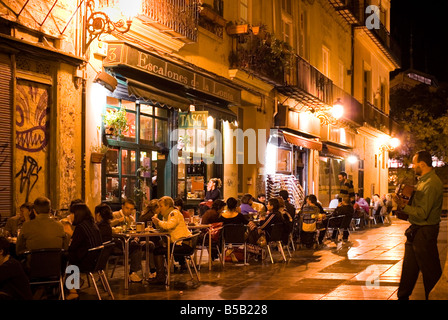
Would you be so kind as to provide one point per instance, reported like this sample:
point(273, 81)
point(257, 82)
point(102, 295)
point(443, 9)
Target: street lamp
point(390, 145)
point(337, 111)
point(329, 114)
point(99, 22)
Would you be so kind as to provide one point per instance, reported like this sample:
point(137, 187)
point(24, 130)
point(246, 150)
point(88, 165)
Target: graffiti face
point(32, 117)
point(32, 109)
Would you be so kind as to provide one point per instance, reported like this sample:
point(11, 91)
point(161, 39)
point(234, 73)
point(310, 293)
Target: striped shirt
point(347, 188)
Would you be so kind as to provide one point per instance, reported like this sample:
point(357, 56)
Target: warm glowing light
point(352, 159)
point(210, 123)
point(394, 143)
point(235, 123)
point(130, 8)
point(338, 110)
point(271, 159)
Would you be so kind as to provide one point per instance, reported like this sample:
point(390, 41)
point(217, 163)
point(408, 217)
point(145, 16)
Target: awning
point(302, 141)
point(149, 93)
point(335, 151)
point(129, 58)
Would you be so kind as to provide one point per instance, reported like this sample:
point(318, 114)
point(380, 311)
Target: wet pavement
point(367, 267)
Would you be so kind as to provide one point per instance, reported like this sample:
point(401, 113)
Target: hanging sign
point(193, 120)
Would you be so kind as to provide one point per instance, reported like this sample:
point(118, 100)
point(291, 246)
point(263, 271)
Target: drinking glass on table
point(197, 220)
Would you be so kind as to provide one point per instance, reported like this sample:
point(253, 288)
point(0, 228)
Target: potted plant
point(236, 29)
point(98, 152)
point(116, 122)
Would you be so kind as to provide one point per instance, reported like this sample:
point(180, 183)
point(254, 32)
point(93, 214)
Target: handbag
point(262, 242)
point(214, 230)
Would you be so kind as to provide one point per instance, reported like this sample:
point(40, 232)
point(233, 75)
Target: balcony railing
point(354, 12)
point(178, 18)
point(307, 78)
point(376, 118)
point(261, 56)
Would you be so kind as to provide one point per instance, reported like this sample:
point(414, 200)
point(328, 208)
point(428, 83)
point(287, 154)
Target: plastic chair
point(276, 236)
point(44, 267)
point(97, 259)
point(188, 255)
point(234, 234)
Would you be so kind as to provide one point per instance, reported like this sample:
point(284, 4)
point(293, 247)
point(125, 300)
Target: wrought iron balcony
point(354, 13)
point(177, 18)
point(376, 118)
point(306, 84)
point(261, 55)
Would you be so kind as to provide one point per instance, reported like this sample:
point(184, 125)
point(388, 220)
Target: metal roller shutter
point(5, 137)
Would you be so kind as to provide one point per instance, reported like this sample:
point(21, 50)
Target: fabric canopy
point(302, 142)
point(149, 93)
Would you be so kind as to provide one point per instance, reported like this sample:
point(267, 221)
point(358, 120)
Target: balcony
point(211, 19)
point(260, 54)
point(306, 84)
point(376, 118)
point(354, 13)
point(176, 18)
point(348, 9)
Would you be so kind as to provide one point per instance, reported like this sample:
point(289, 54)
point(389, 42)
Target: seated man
point(174, 223)
point(14, 224)
point(43, 232)
point(346, 210)
point(125, 217)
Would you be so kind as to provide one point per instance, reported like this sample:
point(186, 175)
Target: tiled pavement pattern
point(367, 267)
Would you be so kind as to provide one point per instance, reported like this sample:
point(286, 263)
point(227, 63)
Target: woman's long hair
point(104, 211)
point(82, 213)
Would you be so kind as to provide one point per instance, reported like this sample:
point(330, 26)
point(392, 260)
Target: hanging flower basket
point(237, 29)
point(97, 157)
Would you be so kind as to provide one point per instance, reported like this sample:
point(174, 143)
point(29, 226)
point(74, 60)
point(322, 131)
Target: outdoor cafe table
point(126, 237)
point(201, 227)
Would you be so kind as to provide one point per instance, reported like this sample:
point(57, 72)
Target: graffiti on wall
point(31, 137)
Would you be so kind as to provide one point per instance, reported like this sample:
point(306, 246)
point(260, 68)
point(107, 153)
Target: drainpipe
point(83, 141)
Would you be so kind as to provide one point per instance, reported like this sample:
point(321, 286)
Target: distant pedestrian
point(424, 210)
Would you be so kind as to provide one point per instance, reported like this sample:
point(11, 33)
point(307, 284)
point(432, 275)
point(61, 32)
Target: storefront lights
point(352, 159)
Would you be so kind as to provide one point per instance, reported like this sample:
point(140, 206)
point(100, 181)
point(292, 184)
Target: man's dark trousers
point(421, 254)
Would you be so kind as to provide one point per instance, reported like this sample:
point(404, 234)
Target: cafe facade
point(179, 122)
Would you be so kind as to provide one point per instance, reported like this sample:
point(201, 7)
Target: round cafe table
point(126, 237)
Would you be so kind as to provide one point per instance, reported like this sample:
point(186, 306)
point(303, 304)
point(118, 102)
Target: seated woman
point(149, 211)
point(103, 216)
point(246, 205)
point(233, 214)
point(273, 217)
point(213, 214)
point(86, 235)
point(287, 219)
